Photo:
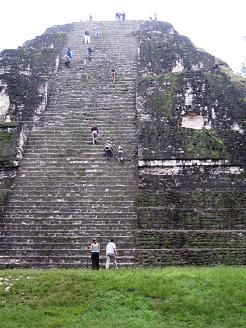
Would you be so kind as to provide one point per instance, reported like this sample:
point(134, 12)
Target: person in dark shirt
point(95, 252)
point(113, 74)
point(89, 53)
point(108, 149)
point(94, 134)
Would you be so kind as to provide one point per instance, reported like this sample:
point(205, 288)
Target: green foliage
point(161, 90)
point(171, 297)
point(231, 94)
point(6, 150)
point(40, 57)
point(3, 195)
point(192, 199)
point(59, 37)
point(168, 94)
point(202, 143)
point(8, 125)
point(23, 52)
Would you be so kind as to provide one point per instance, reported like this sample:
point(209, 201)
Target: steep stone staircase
point(66, 192)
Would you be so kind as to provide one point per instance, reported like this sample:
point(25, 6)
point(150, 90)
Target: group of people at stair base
point(120, 17)
point(69, 55)
point(111, 253)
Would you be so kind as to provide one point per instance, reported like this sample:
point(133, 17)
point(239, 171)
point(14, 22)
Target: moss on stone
point(192, 199)
point(6, 146)
point(232, 96)
point(203, 143)
point(159, 93)
point(8, 125)
point(41, 57)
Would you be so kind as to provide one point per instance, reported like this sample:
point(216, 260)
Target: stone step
point(72, 179)
point(115, 188)
point(191, 256)
point(11, 263)
point(192, 219)
point(87, 225)
point(33, 233)
point(50, 217)
point(95, 208)
point(147, 239)
point(121, 173)
point(81, 147)
point(81, 254)
point(78, 165)
point(86, 165)
point(66, 199)
point(27, 241)
point(85, 192)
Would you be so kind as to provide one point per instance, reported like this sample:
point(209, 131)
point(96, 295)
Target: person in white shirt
point(87, 37)
point(111, 253)
point(95, 250)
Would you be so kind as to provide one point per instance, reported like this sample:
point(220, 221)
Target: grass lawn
point(169, 297)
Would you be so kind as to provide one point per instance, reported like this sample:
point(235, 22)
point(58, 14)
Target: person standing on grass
point(111, 253)
point(95, 250)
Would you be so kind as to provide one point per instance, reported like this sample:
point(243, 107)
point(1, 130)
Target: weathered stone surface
point(191, 125)
point(184, 203)
point(65, 192)
point(24, 81)
point(196, 112)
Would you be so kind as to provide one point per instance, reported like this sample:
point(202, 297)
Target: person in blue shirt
point(68, 57)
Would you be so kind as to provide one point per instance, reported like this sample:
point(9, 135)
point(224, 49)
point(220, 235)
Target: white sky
point(218, 26)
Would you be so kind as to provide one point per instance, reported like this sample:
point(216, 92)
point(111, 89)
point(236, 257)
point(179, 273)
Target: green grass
point(170, 297)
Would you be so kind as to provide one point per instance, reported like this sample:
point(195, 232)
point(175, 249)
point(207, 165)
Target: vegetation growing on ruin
point(191, 199)
point(6, 143)
point(202, 143)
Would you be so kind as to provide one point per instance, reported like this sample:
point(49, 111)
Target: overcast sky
point(218, 26)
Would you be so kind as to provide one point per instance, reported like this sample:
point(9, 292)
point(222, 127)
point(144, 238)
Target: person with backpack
point(120, 154)
point(95, 251)
point(108, 149)
point(94, 134)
